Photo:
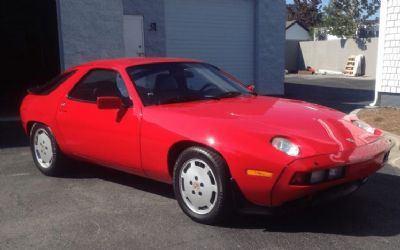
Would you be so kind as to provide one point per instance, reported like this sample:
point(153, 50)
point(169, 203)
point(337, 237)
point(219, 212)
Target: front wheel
point(47, 156)
point(201, 179)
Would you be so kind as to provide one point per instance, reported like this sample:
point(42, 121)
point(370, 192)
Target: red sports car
point(191, 124)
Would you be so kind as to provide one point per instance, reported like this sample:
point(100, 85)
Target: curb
point(394, 157)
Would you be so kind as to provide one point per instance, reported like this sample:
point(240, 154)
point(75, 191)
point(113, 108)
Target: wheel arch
point(177, 148)
point(30, 124)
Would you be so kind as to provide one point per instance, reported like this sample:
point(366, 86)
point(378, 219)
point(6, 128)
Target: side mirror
point(109, 102)
point(251, 88)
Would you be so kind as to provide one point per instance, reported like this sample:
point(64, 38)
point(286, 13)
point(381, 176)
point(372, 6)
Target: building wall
point(388, 67)
point(93, 29)
point(220, 32)
point(296, 32)
point(270, 46)
point(333, 55)
point(387, 88)
point(89, 30)
point(153, 12)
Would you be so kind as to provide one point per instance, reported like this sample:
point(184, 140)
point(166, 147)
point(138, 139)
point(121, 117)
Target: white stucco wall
point(296, 32)
point(333, 55)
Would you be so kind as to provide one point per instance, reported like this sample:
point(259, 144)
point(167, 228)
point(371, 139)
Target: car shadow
point(83, 170)
point(374, 210)
point(343, 99)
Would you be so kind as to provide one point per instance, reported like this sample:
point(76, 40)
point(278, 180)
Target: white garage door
point(220, 32)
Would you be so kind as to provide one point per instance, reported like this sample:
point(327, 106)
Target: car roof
point(134, 61)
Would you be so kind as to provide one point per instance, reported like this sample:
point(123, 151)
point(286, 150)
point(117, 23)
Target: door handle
point(63, 107)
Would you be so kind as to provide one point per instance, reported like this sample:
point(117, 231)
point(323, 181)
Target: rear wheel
point(47, 156)
point(201, 187)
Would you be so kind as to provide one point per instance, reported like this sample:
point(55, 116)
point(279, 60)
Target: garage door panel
point(221, 32)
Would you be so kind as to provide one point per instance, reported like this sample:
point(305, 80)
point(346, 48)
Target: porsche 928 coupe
point(195, 126)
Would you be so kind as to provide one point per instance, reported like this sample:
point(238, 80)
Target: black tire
point(53, 167)
point(221, 207)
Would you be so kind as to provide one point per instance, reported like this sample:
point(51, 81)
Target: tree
point(344, 18)
point(306, 12)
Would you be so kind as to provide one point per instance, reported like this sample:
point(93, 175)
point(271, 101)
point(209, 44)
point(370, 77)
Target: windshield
point(165, 83)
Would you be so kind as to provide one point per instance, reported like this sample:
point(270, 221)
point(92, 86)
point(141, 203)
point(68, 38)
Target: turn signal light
point(316, 177)
point(259, 173)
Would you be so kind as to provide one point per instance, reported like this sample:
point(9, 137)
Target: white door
point(133, 35)
point(220, 32)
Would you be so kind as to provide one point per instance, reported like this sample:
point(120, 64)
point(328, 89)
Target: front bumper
point(360, 163)
point(325, 196)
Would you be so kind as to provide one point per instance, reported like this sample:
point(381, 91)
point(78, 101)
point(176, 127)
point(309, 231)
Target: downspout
point(376, 97)
point(381, 51)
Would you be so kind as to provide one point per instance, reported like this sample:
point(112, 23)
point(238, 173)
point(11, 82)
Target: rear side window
point(99, 82)
point(51, 85)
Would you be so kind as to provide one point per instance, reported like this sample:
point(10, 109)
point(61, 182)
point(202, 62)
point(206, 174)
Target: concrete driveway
point(97, 208)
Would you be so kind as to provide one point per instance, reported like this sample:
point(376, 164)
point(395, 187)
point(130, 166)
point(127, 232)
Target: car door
point(105, 136)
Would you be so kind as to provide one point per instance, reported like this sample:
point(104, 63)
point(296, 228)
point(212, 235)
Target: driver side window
point(97, 83)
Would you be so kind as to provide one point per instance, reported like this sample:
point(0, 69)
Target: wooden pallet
point(350, 68)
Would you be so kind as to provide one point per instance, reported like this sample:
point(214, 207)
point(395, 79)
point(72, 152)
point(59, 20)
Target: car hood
point(315, 128)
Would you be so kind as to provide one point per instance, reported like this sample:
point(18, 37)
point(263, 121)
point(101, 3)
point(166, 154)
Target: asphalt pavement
point(97, 208)
point(339, 92)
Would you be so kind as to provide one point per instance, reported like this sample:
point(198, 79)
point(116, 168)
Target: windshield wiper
point(189, 99)
point(230, 94)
